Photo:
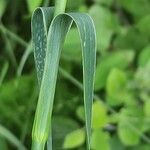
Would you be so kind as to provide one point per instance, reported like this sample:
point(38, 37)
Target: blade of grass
point(9, 48)
point(40, 23)
point(24, 58)
point(48, 71)
point(11, 138)
point(44, 23)
point(12, 35)
point(3, 72)
point(60, 6)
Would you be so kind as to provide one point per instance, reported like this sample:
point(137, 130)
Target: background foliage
point(121, 109)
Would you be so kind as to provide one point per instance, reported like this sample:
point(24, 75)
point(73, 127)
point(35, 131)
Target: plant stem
point(36, 145)
point(46, 3)
point(60, 6)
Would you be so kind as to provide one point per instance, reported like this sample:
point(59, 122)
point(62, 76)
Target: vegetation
point(122, 93)
point(48, 43)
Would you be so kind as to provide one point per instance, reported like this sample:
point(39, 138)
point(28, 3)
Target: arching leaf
point(48, 47)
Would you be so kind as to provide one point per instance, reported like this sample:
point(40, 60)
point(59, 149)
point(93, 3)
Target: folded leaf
point(47, 52)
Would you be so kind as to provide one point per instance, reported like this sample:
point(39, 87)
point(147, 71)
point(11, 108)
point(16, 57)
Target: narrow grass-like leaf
point(48, 47)
point(8, 46)
point(11, 138)
point(3, 72)
point(24, 59)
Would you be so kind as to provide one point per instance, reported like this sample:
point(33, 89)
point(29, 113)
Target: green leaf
point(47, 54)
point(120, 59)
point(116, 87)
point(100, 140)
point(32, 4)
point(72, 49)
point(142, 78)
point(134, 7)
point(106, 25)
point(100, 118)
point(74, 139)
point(146, 108)
point(15, 99)
point(127, 136)
point(61, 127)
point(115, 143)
point(131, 39)
point(144, 56)
point(80, 113)
point(130, 118)
point(143, 26)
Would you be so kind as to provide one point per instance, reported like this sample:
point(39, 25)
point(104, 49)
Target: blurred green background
point(121, 109)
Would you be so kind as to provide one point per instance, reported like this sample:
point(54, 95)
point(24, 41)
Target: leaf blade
point(59, 27)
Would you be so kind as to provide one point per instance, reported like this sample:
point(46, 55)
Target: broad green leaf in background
point(134, 7)
point(72, 46)
point(116, 144)
point(144, 56)
point(74, 139)
point(100, 140)
point(143, 26)
point(80, 113)
point(147, 108)
point(17, 102)
point(131, 115)
point(106, 25)
point(100, 118)
point(119, 59)
point(32, 4)
point(127, 136)
point(142, 78)
point(47, 65)
point(131, 39)
point(116, 87)
point(99, 112)
point(61, 127)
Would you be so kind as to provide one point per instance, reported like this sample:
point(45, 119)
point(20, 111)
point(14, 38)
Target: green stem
point(3, 72)
point(60, 6)
point(46, 3)
point(36, 145)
